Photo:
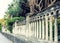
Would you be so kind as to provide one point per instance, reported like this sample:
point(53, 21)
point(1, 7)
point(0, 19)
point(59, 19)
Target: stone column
point(40, 27)
point(37, 29)
point(15, 27)
point(27, 26)
point(29, 29)
point(46, 17)
point(55, 30)
point(33, 29)
point(50, 21)
point(43, 28)
point(31, 24)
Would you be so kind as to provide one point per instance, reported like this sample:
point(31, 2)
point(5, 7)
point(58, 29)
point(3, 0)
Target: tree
point(14, 10)
point(10, 21)
point(18, 8)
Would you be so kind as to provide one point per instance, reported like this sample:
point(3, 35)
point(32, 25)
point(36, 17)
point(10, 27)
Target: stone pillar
point(15, 28)
point(15, 24)
point(37, 29)
point(29, 29)
point(50, 21)
point(43, 28)
point(55, 30)
point(40, 27)
point(34, 28)
point(27, 25)
point(46, 17)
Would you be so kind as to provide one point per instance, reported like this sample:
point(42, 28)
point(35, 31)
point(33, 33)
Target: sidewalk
point(4, 39)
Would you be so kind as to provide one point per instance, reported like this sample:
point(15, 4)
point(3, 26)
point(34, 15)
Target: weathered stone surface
point(23, 39)
point(3, 39)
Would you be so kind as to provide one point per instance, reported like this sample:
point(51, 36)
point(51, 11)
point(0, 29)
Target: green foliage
point(0, 27)
point(14, 10)
point(58, 20)
point(15, 18)
point(10, 22)
point(17, 9)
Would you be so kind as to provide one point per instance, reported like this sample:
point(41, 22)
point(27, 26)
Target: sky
point(4, 7)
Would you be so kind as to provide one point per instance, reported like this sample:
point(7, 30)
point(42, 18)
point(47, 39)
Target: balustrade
point(42, 25)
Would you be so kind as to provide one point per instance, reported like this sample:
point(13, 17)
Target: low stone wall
point(15, 39)
point(19, 29)
point(22, 40)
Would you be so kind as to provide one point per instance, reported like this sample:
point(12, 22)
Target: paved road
point(4, 39)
